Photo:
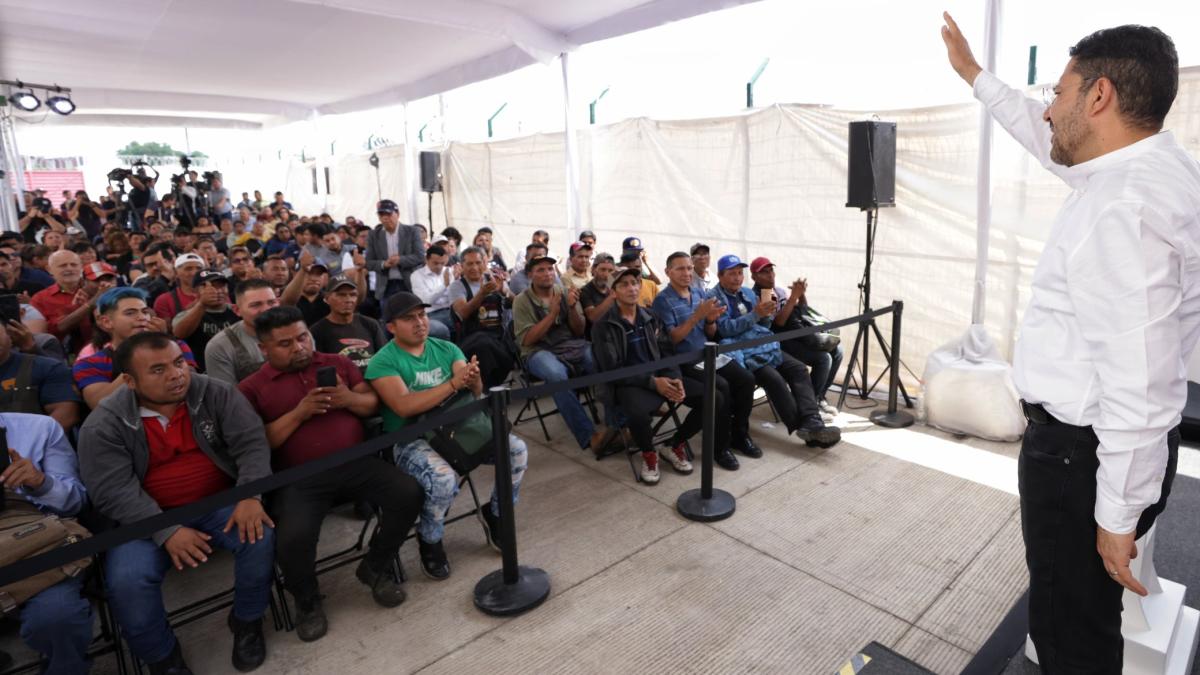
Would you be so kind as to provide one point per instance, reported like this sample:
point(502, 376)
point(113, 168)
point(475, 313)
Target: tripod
point(858, 378)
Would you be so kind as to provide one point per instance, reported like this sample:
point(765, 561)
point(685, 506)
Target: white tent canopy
point(282, 60)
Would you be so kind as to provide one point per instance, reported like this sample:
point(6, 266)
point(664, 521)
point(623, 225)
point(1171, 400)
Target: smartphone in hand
point(327, 376)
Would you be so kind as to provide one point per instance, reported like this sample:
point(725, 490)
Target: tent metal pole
point(570, 152)
point(412, 177)
point(983, 196)
point(8, 206)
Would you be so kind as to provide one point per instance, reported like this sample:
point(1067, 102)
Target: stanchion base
point(693, 506)
point(896, 420)
point(493, 596)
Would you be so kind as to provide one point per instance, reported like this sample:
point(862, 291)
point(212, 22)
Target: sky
point(869, 55)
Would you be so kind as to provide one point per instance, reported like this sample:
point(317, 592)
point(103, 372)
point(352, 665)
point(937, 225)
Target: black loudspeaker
point(872, 168)
point(431, 171)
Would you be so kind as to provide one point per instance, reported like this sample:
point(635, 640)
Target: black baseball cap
point(538, 259)
point(206, 276)
point(630, 256)
point(400, 304)
point(339, 281)
point(387, 206)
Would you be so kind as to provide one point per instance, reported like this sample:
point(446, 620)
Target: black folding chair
point(658, 432)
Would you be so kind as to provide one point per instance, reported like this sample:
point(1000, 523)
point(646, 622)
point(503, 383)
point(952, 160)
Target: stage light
point(25, 100)
point(63, 105)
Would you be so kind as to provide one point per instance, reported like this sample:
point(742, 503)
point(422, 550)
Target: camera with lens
point(119, 174)
point(43, 204)
point(185, 162)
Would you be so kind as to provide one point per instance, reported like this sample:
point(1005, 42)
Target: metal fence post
point(894, 417)
point(707, 504)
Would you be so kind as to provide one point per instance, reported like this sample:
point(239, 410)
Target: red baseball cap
point(760, 263)
point(99, 269)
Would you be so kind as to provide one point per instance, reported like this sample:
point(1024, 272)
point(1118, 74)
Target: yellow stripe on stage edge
point(855, 664)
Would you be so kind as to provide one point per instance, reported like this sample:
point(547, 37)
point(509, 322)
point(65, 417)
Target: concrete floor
point(914, 543)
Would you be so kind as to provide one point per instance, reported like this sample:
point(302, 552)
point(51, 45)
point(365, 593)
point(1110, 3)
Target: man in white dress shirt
point(1113, 318)
point(431, 283)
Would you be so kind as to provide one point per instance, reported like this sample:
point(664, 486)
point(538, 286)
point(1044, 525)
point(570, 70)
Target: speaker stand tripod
point(856, 370)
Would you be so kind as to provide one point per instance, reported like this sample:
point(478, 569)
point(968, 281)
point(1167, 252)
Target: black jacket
point(609, 347)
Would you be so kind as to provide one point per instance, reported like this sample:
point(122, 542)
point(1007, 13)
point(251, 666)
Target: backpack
point(467, 443)
point(25, 532)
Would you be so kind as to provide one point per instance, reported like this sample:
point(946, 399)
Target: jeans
point(789, 389)
point(1074, 605)
point(824, 364)
point(135, 572)
point(299, 508)
point(638, 403)
point(57, 623)
point(440, 323)
point(440, 482)
point(544, 365)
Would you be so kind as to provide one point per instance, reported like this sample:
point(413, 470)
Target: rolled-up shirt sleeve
point(1125, 283)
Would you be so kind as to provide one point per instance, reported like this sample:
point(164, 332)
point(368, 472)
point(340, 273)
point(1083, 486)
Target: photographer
point(87, 213)
point(40, 216)
point(141, 194)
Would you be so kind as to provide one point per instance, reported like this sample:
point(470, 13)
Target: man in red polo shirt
point(304, 422)
point(166, 439)
point(68, 303)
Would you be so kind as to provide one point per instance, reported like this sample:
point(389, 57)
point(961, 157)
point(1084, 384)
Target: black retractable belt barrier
point(514, 588)
point(707, 504)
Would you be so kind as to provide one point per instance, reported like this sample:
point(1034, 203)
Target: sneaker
point(650, 473)
point(311, 624)
point(384, 589)
point(827, 408)
point(826, 417)
point(725, 459)
point(172, 665)
point(491, 526)
point(677, 457)
point(433, 560)
point(819, 435)
point(249, 645)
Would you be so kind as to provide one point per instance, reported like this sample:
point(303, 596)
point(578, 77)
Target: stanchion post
point(894, 417)
point(707, 504)
point(513, 588)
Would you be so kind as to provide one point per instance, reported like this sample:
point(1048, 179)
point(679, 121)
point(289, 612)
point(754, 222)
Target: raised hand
point(959, 52)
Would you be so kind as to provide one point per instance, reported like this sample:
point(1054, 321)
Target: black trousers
point(736, 386)
point(790, 390)
point(638, 403)
point(299, 508)
point(1074, 605)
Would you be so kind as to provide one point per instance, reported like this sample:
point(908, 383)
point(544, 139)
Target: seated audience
point(784, 378)
point(344, 331)
point(628, 335)
point(538, 237)
point(68, 303)
point(305, 422)
point(34, 384)
point(277, 273)
point(701, 278)
point(413, 374)
point(208, 315)
point(578, 272)
point(634, 245)
point(549, 330)
point(158, 265)
point(518, 281)
point(477, 299)
point(483, 240)
point(809, 350)
point(121, 313)
point(42, 477)
point(167, 439)
point(183, 294)
point(649, 289)
point(431, 283)
point(233, 354)
point(588, 237)
point(689, 319)
point(596, 297)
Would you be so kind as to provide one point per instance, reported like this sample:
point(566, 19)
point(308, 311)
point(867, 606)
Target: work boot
point(249, 645)
point(311, 624)
point(384, 589)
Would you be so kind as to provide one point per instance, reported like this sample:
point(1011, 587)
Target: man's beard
point(1067, 136)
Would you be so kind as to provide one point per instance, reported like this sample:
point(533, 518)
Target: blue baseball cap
point(631, 244)
point(728, 262)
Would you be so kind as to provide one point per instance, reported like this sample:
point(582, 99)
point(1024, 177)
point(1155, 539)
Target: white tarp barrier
point(774, 183)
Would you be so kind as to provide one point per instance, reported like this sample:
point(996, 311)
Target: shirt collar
point(1108, 160)
point(318, 360)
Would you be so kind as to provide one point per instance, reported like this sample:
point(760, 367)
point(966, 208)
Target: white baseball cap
point(189, 258)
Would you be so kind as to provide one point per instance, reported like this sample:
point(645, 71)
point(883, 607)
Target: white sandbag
point(968, 389)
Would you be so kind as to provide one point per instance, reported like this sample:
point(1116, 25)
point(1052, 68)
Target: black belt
point(1036, 413)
